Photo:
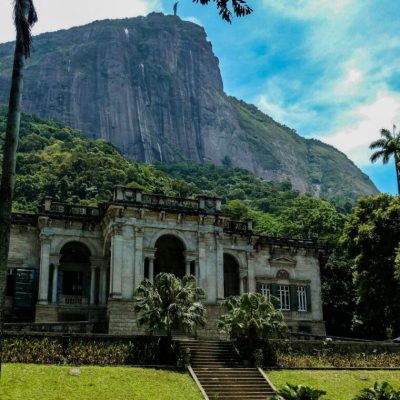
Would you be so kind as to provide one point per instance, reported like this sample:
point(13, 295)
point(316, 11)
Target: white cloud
point(354, 139)
point(62, 14)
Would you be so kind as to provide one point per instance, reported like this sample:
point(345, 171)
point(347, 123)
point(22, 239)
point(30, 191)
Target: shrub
point(380, 391)
point(38, 351)
point(99, 353)
point(298, 392)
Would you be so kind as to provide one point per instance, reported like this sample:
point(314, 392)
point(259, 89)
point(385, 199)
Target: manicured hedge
point(141, 350)
point(325, 354)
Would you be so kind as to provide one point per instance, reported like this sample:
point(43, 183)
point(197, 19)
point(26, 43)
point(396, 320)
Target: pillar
point(116, 262)
point(103, 285)
point(220, 267)
point(151, 269)
point(92, 285)
point(251, 279)
point(55, 284)
point(139, 265)
point(187, 267)
point(44, 269)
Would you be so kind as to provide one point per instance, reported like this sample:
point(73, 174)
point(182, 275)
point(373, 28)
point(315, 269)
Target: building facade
point(77, 263)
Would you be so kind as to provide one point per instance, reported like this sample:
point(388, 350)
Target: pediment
point(282, 262)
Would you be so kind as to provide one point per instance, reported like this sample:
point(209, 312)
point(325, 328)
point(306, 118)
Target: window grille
point(284, 297)
point(265, 289)
point(302, 298)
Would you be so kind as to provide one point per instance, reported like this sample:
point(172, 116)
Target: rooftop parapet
point(201, 204)
point(75, 211)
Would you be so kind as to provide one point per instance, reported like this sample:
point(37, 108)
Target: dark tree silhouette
point(229, 8)
point(24, 17)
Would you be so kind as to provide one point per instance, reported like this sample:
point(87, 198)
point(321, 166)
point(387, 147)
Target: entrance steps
point(217, 369)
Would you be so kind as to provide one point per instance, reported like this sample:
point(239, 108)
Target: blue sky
point(327, 68)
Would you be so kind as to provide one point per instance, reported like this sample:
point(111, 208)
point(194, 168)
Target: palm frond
point(25, 17)
point(377, 155)
point(378, 144)
point(386, 134)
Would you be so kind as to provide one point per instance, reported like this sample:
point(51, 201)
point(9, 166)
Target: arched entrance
point(231, 276)
point(74, 279)
point(169, 256)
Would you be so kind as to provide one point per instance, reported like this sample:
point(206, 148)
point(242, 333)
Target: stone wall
point(122, 318)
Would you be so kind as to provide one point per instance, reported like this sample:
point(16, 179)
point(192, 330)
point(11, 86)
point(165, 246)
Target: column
point(44, 269)
point(92, 285)
point(187, 267)
point(139, 266)
point(55, 284)
point(220, 267)
point(251, 265)
point(116, 263)
point(241, 285)
point(103, 285)
point(151, 269)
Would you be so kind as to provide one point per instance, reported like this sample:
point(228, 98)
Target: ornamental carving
point(282, 274)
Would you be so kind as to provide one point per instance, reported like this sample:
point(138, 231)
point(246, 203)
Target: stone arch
point(94, 251)
point(171, 232)
point(231, 275)
point(169, 255)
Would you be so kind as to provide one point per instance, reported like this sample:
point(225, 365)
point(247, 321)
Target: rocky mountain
point(152, 86)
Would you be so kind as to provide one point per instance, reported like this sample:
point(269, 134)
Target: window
point(302, 298)
point(265, 289)
point(284, 297)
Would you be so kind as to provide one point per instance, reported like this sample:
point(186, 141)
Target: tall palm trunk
point(397, 166)
point(25, 16)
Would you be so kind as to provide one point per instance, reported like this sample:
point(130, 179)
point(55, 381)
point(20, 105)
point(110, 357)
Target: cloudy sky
point(327, 68)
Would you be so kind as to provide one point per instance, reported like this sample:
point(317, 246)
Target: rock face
point(152, 86)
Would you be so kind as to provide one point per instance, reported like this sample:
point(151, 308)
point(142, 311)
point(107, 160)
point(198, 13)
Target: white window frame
point(284, 297)
point(265, 289)
point(302, 298)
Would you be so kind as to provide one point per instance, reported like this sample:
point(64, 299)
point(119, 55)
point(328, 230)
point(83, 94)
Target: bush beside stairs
point(218, 371)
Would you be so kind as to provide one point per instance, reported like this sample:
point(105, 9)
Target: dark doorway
point(74, 274)
point(231, 276)
point(169, 256)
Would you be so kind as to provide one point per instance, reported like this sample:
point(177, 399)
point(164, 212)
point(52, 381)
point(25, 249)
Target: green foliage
point(380, 391)
point(38, 351)
point(138, 350)
point(251, 315)
point(95, 353)
point(170, 304)
point(371, 237)
point(298, 392)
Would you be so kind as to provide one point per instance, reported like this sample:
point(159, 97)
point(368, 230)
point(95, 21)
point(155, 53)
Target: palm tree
point(170, 304)
point(388, 145)
point(249, 318)
point(298, 392)
point(380, 391)
point(24, 17)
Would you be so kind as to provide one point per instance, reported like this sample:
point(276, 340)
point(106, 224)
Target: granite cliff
point(152, 86)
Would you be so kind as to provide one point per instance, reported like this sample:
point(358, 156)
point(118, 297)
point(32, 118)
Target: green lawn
point(339, 385)
point(38, 382)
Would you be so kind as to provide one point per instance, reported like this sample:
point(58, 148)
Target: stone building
point(76, 263)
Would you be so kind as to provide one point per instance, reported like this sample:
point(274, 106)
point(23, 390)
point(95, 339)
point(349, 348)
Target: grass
point(339, 385)
point(38, 382)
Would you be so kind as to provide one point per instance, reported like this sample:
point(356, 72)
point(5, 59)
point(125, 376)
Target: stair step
point(219, 370)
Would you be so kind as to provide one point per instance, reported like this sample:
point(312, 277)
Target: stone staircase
point(218, 371)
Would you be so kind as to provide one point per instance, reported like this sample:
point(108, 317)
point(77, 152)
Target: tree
point(380, 391)
point(170, 304)
point(298, 392)
point(249, 318)
point(24, 17)
point(389, 145)
point(224, 7)
point(371, 238)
